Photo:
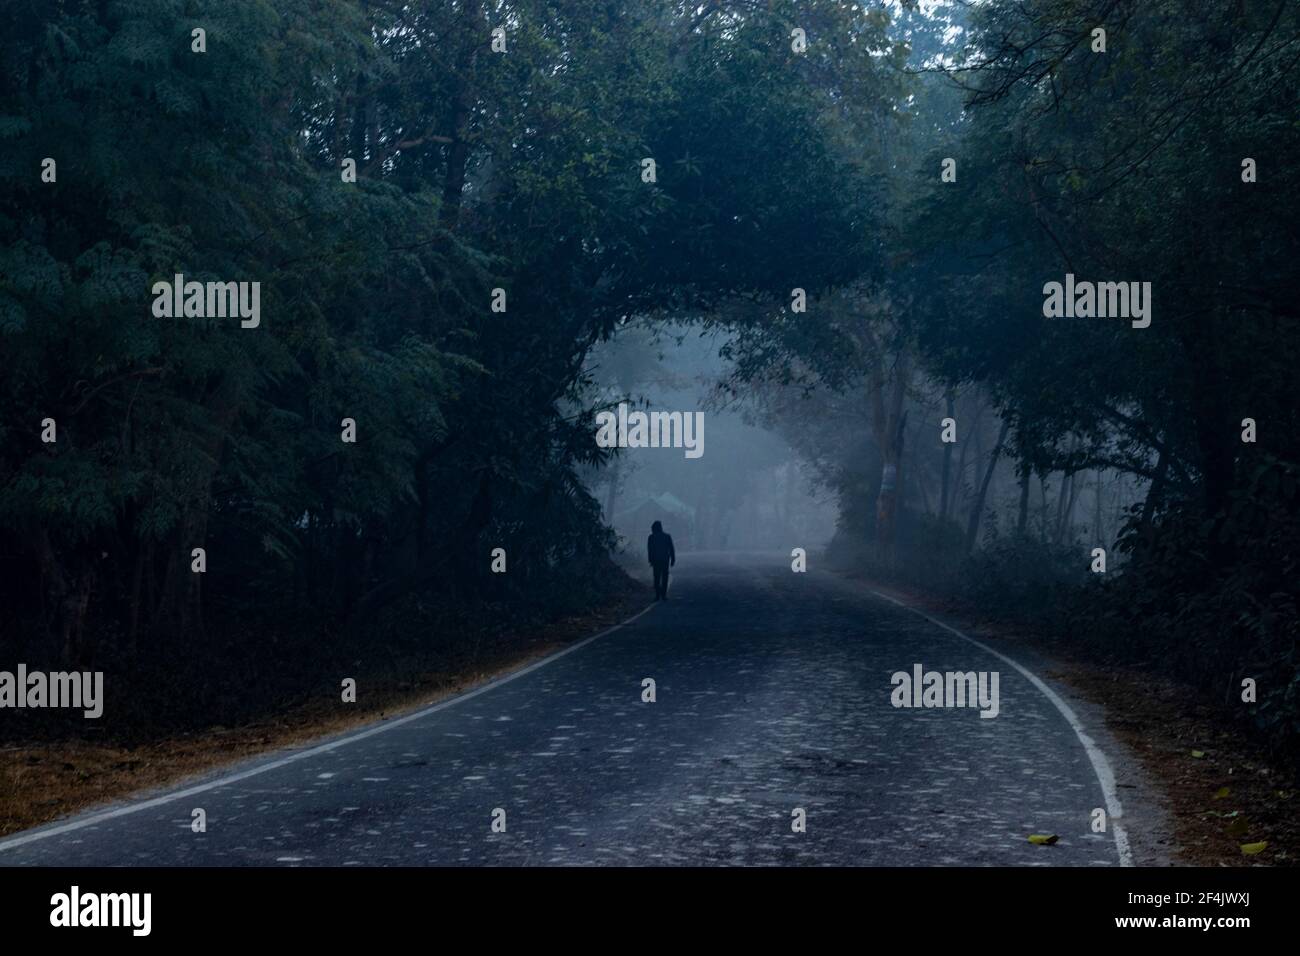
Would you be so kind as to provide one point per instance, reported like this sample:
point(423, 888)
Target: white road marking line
point(77, 824)
point(1100, 765)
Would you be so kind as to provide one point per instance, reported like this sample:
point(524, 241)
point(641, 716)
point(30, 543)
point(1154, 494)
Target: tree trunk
point(960, 484)
point(1152, 503)
point(1042, 508)
point(1066, 494)
point(179, 610)
point(1097, 530)
point(1075, 487)
point(887, 426)
point(458, 152)
point(1022, 519)
point(612, 496)
point(950, 409)
point(918, 479)
point(972, 529)
point(137, 595)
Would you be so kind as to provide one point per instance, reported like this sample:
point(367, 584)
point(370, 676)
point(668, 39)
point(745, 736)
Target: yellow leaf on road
point(1250, 849)
point(1043, 839)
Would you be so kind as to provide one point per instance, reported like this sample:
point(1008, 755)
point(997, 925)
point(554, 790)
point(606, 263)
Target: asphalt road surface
point(773, 694)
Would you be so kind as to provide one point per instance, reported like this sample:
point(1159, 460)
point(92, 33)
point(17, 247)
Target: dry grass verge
point(41, 783)
point(1222, 789)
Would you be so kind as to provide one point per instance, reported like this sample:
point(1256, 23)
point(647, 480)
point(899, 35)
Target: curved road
point(773, 693)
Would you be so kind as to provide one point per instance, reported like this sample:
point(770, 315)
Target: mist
point(749, 491)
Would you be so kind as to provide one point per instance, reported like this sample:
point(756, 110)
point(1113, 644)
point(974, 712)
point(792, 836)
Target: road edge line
point(1100, 764)
point(77, 823)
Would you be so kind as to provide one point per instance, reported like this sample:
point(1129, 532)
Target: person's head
point(656, 528)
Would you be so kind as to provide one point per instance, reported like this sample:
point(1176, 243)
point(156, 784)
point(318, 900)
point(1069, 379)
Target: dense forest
point(448, 206)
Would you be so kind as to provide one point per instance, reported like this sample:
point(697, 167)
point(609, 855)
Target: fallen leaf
point(1043, 839)
point(1220, 793)
point(1198, 753)
point(1250, 849)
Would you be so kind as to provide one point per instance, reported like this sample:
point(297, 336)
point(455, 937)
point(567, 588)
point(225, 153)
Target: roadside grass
point(1222, 788)
point(44, 781)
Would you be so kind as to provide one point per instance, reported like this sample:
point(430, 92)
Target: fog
point(749, 490)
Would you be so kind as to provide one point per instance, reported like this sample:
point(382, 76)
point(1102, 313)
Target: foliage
point(476, 170)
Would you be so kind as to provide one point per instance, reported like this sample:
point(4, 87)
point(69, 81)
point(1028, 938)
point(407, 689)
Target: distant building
point(678, 517)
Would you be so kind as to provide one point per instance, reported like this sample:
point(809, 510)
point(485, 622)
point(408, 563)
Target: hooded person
point(659, 549)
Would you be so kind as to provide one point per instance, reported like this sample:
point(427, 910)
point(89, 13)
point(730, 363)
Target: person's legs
point(661, 581)
point(665, 582)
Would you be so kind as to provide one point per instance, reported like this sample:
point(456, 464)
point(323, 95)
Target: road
point(773, 694)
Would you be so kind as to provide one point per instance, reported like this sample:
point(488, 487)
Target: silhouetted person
point(659, 548)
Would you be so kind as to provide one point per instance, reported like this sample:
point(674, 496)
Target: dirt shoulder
point(43, 782)
point(1215, 788)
